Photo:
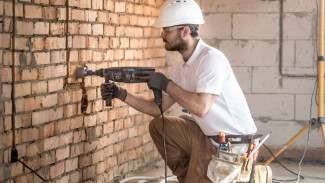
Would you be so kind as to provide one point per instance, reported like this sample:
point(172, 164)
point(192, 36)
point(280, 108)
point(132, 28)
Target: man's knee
point(154, 124)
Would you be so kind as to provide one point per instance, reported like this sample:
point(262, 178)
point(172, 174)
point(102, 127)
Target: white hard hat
point(179, 12)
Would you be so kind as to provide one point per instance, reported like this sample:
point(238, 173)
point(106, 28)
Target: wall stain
point(22, 61)
point(264, 119)
point(33, 62)
point(29, 44)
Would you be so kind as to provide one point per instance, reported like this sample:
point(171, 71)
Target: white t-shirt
point(209, 71)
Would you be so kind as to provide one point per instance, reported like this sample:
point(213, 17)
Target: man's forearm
point(197, 103)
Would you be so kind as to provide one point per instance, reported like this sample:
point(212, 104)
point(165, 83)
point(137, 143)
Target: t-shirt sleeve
point(212, 73)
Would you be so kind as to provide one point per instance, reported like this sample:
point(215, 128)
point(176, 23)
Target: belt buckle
point(232, 139)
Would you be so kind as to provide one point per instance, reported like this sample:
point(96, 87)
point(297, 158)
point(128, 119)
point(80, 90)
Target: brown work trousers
point(189, 151)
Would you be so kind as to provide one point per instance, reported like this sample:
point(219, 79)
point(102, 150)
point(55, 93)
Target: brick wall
point(249, 32)
point(53, 136)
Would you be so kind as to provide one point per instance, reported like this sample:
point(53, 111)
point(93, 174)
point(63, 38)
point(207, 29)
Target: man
point(203, 83)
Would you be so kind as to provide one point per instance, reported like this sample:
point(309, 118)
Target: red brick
point(113, 18)
point(6, 140)
point(6, 74)
point(23, 120)
point(65, 97)
point(51, 143)
point(109, 5)
point(98, 56)
point(85, 55)
point(1, 12)
point(39, 87)
point(46, 131)
point(29, 74)
point(75, 177)
point(23, 89)
point(40, 117)
point(24, 28)
point(19, 10)
point(104, 42)
point(57, 170)
point(55, 85)
point(65, 139)
point(22, 43)
point(35, 148)
point(62, 126)
point(42, 58)
point(89, 172)
point(109, 30)
point(71, 164)
point(92, 42)
point(97, 4)
point(90, 120)
point(124, 43)
point(57, 2)
point(61, 13)
point(114, 42)
point(25, 178)
point(50, 13)
point(58, 56)
point(76, 122)
point(78, 15)
point(97, 29)
point(102, 17)
point(33, 11)
point(6, 89)
point(100, 168)
point(55, 43)
point(98, 156)
point(41, 1)
point(63, 179)
point(79, 136)
point(85, 28)
point(32, 103)
point(119, 7)
point(79, 42)
point(77, 149)
point(38, 43)
point(50, 100)
point(62, 153)
point(30, 134)
point(125, 19)
point(60, 70)
point(16, 169)
point(41, 28)
point(90, 15)
point(84, 161)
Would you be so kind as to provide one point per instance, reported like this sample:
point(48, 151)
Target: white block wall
point(248, 32)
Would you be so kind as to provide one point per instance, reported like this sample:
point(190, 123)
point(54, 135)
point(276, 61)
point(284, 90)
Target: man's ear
point(187, 31)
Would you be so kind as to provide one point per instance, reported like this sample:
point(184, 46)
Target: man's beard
point(179, 44)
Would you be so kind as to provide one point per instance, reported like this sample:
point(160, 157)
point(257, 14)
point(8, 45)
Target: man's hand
point(110, 89)
point(156, 80)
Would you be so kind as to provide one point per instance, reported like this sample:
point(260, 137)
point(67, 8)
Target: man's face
point(173, 39)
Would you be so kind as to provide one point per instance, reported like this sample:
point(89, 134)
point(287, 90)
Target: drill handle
point(158, 96)
point(108, 100)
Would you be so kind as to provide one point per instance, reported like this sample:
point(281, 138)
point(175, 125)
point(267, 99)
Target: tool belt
point(234, 165)
point(234, 139)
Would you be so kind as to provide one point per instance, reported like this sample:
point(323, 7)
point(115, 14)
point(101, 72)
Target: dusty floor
point(313, 172)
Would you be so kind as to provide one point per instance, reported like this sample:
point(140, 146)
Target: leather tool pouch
point(229, 167)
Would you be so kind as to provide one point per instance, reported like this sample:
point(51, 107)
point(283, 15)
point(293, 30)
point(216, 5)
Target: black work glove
point(110, 89)
point(156, 80)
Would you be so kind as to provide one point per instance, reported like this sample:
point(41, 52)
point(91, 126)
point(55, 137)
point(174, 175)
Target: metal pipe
point(321, 67)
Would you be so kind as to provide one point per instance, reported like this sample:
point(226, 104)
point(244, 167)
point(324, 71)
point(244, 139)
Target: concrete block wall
point(52, 135)
point(249, 33)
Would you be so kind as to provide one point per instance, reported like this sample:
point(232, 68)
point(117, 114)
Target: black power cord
point(14, 158)
point(164, 139)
